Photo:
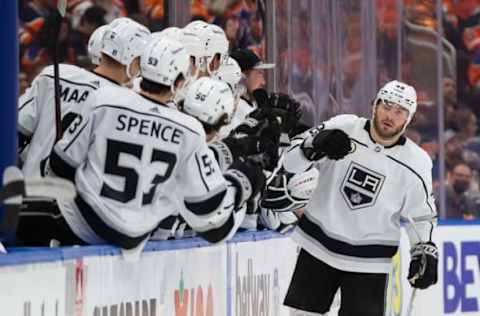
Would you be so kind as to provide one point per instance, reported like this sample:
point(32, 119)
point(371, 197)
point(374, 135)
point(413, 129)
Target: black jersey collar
point(105, 77)
point(153, 100)
point(401, 141)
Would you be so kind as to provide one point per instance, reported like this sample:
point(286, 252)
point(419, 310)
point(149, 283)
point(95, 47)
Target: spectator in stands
point(453, 153)
point(461, 200)
point(22, 82)
point(114, 8)
point(34, 9)
point(89, 21)
point(466, 127)
point(231, 31)
point(414, 136)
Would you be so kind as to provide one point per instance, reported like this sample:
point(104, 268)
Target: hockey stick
point(414, 293)
point(62, 7)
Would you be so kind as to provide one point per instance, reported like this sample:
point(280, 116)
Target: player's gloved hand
point(248, 146)
point(288, 192)
point(423, 265)
point(253, 124)
point(247, 175)
point(276, 196)
point(287, 108)
point(279, 107)
point(280, 222)
point(333, 143)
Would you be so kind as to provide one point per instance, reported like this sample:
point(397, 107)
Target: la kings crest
point(361, 186)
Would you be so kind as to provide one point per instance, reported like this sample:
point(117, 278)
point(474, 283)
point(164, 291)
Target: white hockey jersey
point(36, 111)
point(243, 109)
point(352, 221)
point(128, 157)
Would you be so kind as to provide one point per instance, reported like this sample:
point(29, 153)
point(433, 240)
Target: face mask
point(460, 186)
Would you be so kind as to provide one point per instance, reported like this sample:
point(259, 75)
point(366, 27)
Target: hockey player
point(371, 176)
point(230, 73)
point(211, 102)
point(36, 111)
point(95, 44)
point(131, 152)
point(214, 46)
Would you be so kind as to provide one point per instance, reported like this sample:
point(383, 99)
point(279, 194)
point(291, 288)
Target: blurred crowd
point(244, 25)
point(242, 20)
point(461, 96)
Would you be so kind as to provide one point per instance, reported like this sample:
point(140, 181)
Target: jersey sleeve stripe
point(104, 231)
point(25, 104)
point(217, 234)
point(61, 168)
point(418, 176)
point(201, 173)
point(293, 147)
point(74, 138)
point(207, 206)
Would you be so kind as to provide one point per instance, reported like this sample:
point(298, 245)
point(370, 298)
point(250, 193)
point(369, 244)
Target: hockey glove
point(278, 198)
point(280, 222)
point(423, 265)
point(333, 143)
point(287, 108)
point(279, 107)
point(247, 176)
point(248, 146)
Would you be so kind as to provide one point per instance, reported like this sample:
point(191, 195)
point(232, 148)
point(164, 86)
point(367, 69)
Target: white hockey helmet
point(190, 40)
point(230, 73)
point(399, 93)
point(212, 41)
point(95, 44)
point(172, 32)
point(195, 24)
point(124, 40)
point(208, 100)
point(163, 60)
point(215, 42)
point(194, 46)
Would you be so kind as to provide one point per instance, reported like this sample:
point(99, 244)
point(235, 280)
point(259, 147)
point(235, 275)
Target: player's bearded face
point(389, 120)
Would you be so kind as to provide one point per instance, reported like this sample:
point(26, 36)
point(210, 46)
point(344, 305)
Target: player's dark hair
point(210, 128)
point(153, 87)
point(94, 15)
point(157, 88)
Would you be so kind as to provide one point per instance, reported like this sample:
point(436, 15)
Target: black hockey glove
point(279, 107)
point(277, 197)
point(287, 108)
point(333, 143)
point(423, 265)
point(253, 124)
point(247, 146)
point(248, 177)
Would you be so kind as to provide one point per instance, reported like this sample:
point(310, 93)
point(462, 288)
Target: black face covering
point(460, 186)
